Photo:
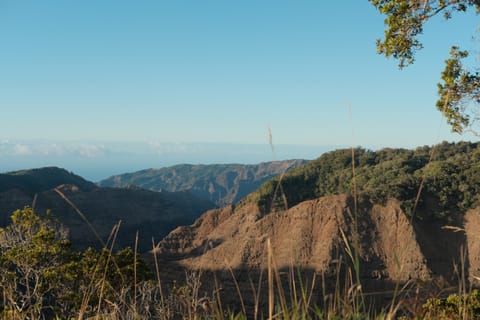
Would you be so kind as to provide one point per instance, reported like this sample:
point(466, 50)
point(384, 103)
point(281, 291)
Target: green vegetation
point(455, 306)
point(41, 277)
point(404, 23)
point(450, 181)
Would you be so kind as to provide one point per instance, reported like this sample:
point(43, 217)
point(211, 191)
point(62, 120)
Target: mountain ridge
point(222, 184)
point(41, 179)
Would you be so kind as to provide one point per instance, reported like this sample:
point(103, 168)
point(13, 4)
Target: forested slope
point(448, 175)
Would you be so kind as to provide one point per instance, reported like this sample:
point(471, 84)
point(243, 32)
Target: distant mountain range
point(222, 184)
point(178, 196)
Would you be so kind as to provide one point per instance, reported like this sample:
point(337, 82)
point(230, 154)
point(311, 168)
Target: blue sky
point(218, 72)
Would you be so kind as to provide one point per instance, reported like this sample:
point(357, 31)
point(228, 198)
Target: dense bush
point(41, 277)
point(449, 174)
point(455, 306)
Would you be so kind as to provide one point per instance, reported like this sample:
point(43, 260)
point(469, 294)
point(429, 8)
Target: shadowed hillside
point(153, 214)
point(37, 180)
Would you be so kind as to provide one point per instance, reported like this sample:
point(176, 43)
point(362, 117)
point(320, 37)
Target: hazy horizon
point(95, 161)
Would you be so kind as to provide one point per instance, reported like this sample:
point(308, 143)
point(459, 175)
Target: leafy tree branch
point(459, 89)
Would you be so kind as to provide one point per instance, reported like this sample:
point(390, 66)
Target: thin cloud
point(21, 150)
point(90, 151)
point(49, 149)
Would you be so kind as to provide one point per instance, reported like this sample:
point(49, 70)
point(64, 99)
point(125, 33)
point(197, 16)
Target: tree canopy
point(459, 89)
point(450, 179)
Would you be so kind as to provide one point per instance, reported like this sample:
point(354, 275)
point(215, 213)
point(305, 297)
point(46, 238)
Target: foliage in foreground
point(455, 306)
point(40, 276)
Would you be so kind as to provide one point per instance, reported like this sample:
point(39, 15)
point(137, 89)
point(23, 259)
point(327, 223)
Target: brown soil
point(313, 243)
point(318, 234)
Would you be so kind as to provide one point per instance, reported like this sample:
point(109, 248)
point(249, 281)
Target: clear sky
point(204, 71)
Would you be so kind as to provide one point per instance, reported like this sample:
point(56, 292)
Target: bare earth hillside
point(314, 235)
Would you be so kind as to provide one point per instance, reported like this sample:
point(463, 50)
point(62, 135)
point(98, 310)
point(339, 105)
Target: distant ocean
point(97, 161)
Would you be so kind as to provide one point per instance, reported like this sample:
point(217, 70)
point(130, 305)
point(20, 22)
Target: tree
point(459, 89)
point(34, 255)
